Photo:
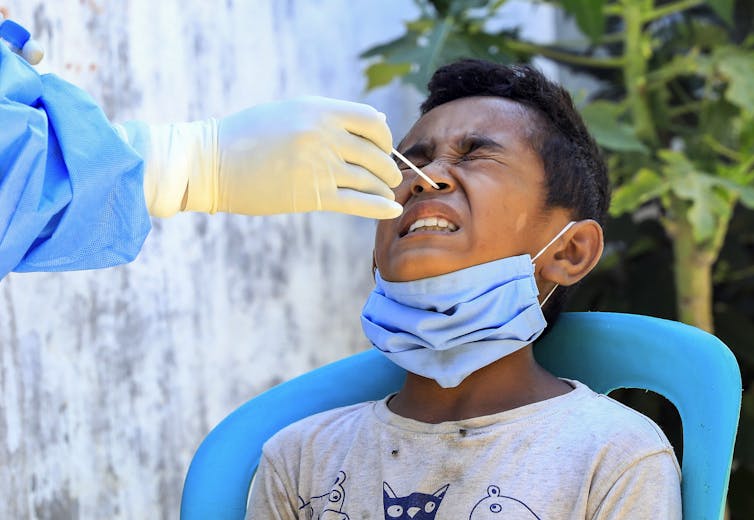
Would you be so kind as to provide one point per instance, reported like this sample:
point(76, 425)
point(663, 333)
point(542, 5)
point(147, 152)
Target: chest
point(446, 478)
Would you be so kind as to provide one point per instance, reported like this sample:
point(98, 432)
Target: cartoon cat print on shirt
point(416, 506)
point(496, 506)
point(328, 506)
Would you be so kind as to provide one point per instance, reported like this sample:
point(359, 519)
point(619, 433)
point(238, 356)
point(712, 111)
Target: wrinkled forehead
point(494, 117)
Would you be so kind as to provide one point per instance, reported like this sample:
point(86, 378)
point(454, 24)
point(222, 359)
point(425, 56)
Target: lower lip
point(432, 233)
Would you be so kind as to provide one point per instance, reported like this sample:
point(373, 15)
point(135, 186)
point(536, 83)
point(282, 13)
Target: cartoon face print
point(496, 506)
point(416, 506)
point(328, 506)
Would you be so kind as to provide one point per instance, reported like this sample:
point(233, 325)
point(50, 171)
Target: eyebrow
point(471, 141)
point(475, 141)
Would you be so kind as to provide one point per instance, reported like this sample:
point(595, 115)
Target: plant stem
point(693, 263)
point(692, 106)
point(721, 149)
point(564, 57)
point(636, 57)
point(693, 273)
point(670, 9)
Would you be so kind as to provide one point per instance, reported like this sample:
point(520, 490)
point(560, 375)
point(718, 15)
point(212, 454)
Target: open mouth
point(430, 224)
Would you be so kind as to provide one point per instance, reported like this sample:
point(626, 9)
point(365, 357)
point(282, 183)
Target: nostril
point(443, 185)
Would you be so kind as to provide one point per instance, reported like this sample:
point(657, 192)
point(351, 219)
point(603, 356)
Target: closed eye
point(480, 155)
point(479, 146)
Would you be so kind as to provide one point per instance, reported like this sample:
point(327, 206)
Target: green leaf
point(404, 45)
point(421, 25)
point(747, 133)
point(724, 9)
point(713, 193)
point(738, 174)
point(589, 16)
point(707, 212)
point(602, 119)
point(744, 192)
point(643, 187)
point(492, 47)
point(677, 164)
point(379, 74)
point(737, 66)
point(681, 65)
point(435, 47)
point(722, 122)
point(413, 56)
point(709, 196)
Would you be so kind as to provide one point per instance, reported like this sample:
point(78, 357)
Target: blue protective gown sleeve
point(71, 191)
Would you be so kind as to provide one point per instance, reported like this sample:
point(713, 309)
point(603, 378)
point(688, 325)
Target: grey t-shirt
point(580, 455)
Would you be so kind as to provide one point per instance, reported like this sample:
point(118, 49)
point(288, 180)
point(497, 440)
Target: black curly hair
point(575, 173)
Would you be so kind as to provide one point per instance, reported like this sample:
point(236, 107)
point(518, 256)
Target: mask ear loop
point(551, 242)
point(548, 295)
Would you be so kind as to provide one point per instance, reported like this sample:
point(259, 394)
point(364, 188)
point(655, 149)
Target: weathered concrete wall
point(109, 379)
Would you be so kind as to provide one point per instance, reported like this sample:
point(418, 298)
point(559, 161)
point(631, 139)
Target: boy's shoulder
point(325, 424)
point(602, 420)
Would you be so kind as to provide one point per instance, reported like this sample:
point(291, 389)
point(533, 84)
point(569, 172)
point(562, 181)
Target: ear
point(574, 255)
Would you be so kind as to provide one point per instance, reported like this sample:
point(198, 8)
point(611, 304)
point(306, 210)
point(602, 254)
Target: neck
point(513, 381)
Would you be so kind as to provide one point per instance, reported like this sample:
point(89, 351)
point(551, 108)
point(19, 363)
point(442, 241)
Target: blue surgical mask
point(449, 326)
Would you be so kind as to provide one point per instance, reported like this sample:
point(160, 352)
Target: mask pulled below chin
point(447, 327)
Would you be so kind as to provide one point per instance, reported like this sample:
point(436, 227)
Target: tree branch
point(665, 10)
point(720, 149)
point(564, 57)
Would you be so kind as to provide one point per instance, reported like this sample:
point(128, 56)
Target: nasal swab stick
point(416, 169)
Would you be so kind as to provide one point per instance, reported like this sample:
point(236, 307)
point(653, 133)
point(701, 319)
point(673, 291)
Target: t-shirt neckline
point(529, 412)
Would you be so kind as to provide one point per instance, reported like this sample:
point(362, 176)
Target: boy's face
point(492, 196)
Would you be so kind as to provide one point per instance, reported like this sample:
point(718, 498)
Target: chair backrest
point(691, 368)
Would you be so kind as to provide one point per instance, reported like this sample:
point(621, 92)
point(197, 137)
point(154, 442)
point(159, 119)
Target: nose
point(412, 511)
point(438, 174)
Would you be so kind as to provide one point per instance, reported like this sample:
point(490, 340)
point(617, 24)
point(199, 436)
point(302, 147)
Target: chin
point(418, 269)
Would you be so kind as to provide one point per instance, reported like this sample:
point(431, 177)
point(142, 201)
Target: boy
point(479, 430)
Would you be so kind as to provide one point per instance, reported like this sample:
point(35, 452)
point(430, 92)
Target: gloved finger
point(364, 205)
point(363, 120)
point(355, 177)
point(361, 152)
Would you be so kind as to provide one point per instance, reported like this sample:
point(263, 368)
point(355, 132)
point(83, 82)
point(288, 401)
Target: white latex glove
point(305, 154)
point(18, 39)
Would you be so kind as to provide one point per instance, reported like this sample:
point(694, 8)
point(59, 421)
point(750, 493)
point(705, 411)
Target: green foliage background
point(674, 114)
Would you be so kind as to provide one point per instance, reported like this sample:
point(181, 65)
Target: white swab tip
point(32, 52)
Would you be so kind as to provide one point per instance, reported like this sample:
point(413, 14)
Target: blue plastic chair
point(691, 368)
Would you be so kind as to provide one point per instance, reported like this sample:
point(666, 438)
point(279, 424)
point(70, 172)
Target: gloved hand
point(305, 154)
point(20, 41)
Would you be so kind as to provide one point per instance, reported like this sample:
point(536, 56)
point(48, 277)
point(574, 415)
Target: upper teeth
point(432, 222)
